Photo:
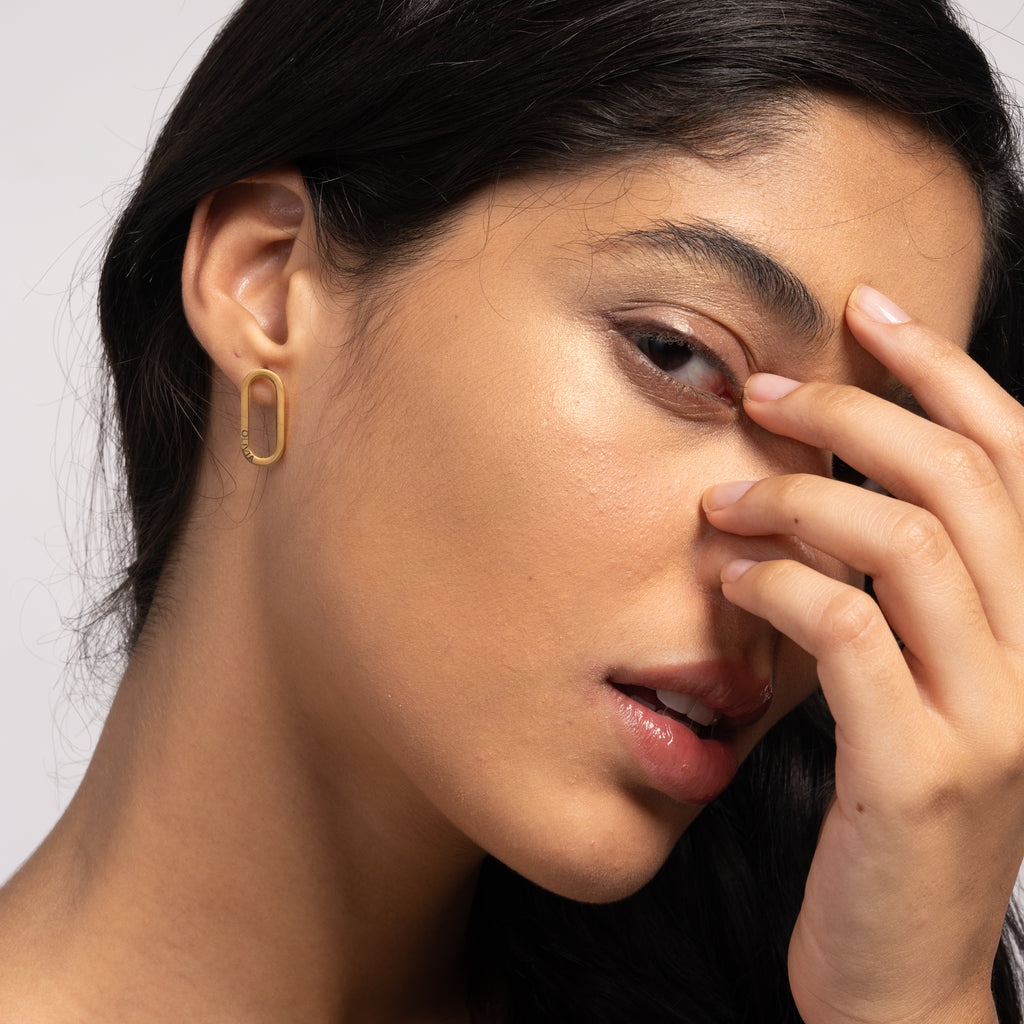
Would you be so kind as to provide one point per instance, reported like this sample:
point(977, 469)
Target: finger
point(860, 666)
point(921, 584)
point(951, 387)
point(924, 464)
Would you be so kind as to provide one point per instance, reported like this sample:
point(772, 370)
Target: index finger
point(952, 389)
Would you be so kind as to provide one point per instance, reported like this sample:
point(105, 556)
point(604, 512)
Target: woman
point(478, 368)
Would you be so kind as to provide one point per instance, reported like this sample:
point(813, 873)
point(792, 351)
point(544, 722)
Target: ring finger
point(920, 462)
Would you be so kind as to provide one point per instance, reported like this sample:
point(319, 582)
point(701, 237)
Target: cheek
point(521, 491)
point(497, 486)
point(497, 505)
point(493, 524)
point(515, 502)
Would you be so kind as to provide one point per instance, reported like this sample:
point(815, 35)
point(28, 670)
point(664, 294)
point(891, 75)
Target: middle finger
point(922, 463)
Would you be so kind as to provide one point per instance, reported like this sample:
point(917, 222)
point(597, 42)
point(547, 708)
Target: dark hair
point(397, 111)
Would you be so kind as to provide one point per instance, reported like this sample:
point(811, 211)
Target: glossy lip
point(675, 760)
point(727, 686)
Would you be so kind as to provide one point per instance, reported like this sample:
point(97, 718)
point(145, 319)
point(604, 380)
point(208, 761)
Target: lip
point(676, 761)
point(727, 686)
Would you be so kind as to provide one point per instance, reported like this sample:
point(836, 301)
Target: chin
point(602, 888)
point(601, 868)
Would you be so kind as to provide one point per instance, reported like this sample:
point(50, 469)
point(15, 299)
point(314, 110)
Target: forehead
point(846, 196)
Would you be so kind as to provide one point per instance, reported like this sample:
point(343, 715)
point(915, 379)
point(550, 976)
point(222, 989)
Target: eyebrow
point(707, 243)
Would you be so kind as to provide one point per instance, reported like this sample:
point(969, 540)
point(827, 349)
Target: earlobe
point(245, 244)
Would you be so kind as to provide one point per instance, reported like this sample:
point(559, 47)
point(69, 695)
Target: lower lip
point(676, 761)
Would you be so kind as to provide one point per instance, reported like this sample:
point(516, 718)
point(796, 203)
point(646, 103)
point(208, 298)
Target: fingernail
point(722, 495)
point(736, 568)
point(874, 305)
point(766, 387)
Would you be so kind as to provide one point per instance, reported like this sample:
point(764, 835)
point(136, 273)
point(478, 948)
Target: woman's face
point(490, 553)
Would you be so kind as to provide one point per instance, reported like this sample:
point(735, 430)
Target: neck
point(228, 857)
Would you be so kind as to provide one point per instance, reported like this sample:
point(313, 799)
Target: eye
point(688, 362)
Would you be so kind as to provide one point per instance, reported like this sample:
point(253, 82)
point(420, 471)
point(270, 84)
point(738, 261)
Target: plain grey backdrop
point(83, 86)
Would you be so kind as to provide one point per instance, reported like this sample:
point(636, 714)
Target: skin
point(386, 655)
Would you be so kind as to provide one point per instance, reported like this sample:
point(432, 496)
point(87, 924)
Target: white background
point(82, 85)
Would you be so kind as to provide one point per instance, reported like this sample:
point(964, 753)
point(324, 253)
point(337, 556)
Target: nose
point(717, 549)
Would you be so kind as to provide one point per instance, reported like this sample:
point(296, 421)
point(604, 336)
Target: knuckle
point(1010, 762)
point(850, 618)
point(962, 776)
point(938, 790)
point(915, 534)
point(941, 779)
point(963, 463)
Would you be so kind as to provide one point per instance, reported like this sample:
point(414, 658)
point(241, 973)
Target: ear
point(246, 245)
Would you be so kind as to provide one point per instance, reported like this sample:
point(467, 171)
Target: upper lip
point(726, 685)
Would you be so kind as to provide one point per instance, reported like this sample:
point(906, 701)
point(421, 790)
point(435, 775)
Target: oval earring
point(263, 460)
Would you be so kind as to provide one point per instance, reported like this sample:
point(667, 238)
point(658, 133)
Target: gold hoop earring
point(263, 460)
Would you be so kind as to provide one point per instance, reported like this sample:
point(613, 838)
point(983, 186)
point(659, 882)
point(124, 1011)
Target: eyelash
point(641, 337)
point(647, 336)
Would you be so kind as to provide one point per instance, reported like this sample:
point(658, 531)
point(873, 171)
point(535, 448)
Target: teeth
point(702, 714)
point(684, 704)
point(681, 702)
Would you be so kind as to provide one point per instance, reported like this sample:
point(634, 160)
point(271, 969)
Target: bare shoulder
point(30, 983)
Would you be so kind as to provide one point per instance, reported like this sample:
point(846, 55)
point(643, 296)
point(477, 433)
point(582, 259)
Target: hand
point(919, 851)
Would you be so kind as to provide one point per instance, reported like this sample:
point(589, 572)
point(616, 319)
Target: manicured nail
point(874, 305)
point(766, 387)
point(736, 568)
point(722, 495)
